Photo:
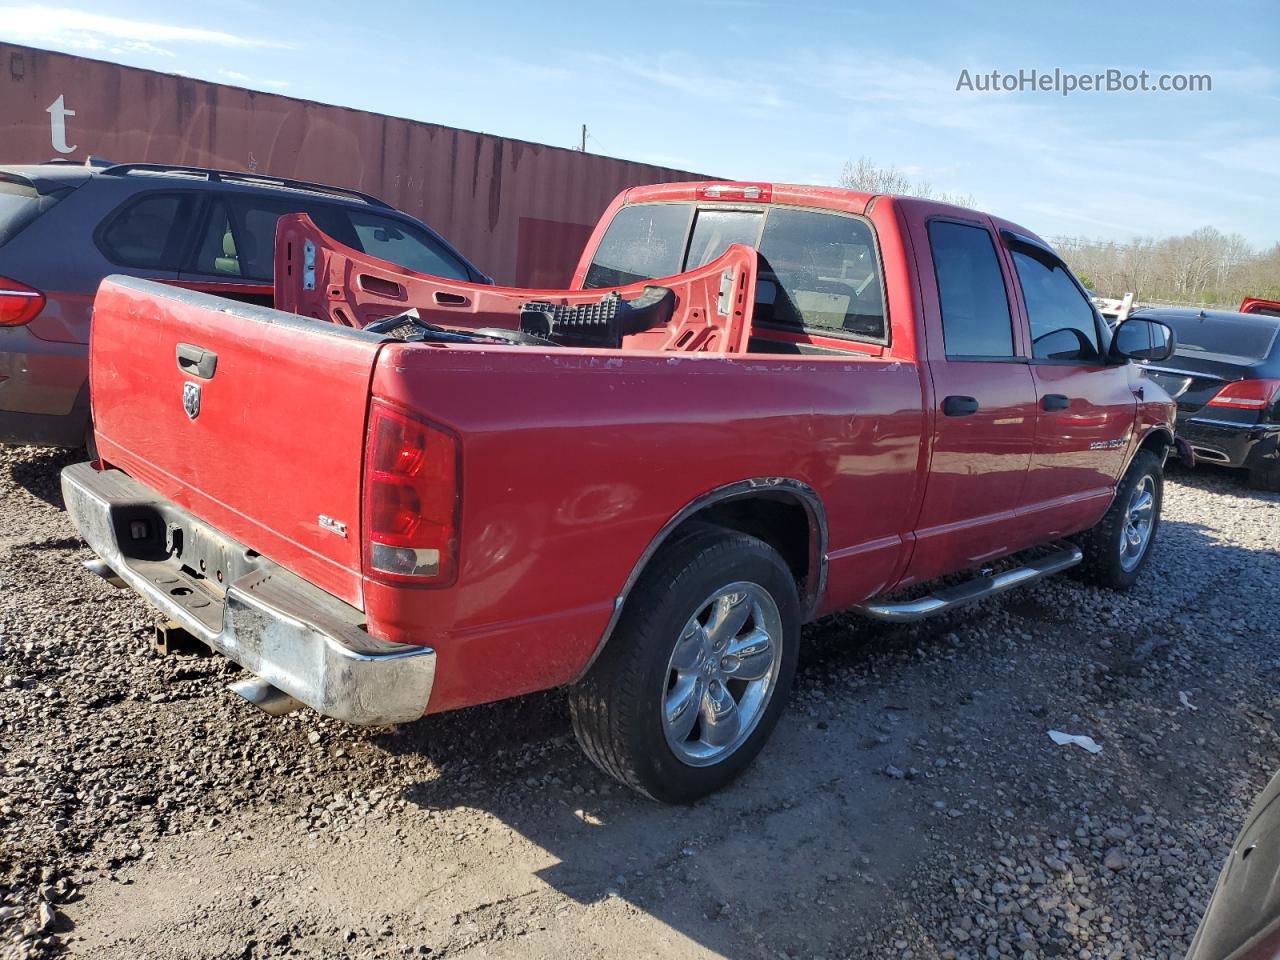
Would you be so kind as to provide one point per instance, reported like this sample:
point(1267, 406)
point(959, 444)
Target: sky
point(764, 91)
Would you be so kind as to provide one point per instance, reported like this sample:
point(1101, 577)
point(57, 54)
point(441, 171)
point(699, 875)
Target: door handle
point(196, 361)
point(1055, 401)
point(959, 406)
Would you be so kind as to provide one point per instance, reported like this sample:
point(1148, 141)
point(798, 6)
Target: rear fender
point(815, 578)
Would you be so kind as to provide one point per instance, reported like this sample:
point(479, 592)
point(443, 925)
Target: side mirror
point(1141, 339)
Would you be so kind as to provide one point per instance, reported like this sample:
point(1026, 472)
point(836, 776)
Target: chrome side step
point(979, 588)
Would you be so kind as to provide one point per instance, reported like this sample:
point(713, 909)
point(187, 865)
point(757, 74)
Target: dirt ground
point(910, 805)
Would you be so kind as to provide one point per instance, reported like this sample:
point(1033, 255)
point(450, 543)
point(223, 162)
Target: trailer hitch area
point(172, 640)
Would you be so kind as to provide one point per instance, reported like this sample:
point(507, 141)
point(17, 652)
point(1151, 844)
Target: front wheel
point(1116, 550)
point(694, 678)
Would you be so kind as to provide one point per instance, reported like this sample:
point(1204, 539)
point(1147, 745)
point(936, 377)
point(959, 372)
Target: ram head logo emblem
point(191, 399)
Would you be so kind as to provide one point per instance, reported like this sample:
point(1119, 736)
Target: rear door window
point(217, 253)
point(253, 225)
point(148, 232)
point(238, 240)
point(976, 323)
point(642, 242)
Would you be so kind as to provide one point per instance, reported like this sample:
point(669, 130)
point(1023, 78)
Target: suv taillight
point(410, 499)
point(19, 303)
point(1246, 394)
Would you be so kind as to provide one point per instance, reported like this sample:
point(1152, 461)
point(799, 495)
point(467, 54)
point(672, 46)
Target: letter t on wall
point(58, 114)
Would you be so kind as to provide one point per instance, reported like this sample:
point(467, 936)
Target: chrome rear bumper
point(293, 635)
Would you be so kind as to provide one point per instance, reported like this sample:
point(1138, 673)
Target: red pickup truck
point(1266, 308)
point(759, 404)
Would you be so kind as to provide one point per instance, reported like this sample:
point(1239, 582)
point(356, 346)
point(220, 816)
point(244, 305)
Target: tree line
point(1203, 268)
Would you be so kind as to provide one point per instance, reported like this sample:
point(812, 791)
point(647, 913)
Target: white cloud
point(244, 80)
point(139, 46)
point(746, 91)
point(1252, 79)
point(1259, 155)
point(76, 29)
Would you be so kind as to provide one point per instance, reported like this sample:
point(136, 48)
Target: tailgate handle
point(196, 361)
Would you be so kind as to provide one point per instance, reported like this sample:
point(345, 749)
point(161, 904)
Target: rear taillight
point(19, 303)
point(410, 499)
point(1247, 394)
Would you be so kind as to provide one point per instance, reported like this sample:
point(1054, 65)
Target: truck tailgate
point(251, 419)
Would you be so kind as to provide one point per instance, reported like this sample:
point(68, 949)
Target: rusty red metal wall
point(520, 210)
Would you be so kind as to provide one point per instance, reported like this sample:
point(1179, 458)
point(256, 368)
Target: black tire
point(617, 706)
point(1266, 476)
point(1101, 545)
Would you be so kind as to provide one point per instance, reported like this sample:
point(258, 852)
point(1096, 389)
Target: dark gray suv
point(64, 227)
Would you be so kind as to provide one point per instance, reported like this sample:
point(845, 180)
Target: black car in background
point(1225, 378)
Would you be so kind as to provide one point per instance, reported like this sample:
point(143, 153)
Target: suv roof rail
point(237, 176)
point(89, 161)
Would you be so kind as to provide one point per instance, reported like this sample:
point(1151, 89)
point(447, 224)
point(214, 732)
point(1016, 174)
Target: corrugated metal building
point(521, 211)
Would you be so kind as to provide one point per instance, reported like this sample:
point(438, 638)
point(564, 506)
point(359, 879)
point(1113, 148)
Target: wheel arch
point(1158, 439)
point(784, 512)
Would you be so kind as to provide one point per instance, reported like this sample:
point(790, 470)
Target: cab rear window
point(643, 241)
point(819, 271)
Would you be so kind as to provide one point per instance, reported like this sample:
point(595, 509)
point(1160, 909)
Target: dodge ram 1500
point(398, 494)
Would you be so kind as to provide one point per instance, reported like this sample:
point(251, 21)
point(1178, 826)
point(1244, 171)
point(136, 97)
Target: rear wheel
point(693, 680)
point(1116, 550)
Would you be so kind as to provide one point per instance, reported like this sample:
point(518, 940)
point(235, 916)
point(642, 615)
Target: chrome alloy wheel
point(722, 673)
point(1138, 521)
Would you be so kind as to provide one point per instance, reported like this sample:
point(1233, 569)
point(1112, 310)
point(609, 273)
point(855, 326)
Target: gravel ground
point(910, 805)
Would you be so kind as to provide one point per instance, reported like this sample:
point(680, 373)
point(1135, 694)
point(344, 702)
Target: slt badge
point(191, 399)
